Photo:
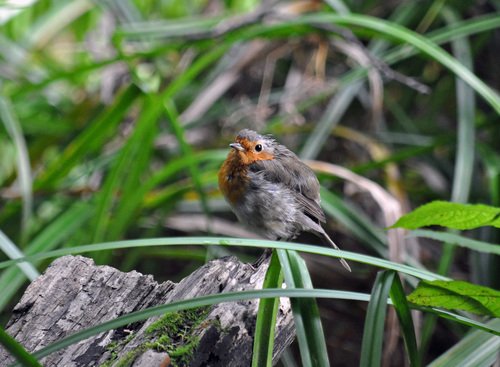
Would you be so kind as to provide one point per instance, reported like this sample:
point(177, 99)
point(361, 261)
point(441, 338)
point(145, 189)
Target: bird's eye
point(258, 147)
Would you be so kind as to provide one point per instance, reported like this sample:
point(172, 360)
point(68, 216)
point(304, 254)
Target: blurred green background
point(116, 115)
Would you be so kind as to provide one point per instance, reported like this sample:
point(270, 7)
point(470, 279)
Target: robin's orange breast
point(233, 180)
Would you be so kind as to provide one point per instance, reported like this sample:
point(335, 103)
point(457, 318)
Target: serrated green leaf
point(457, 295)
point(451, 215)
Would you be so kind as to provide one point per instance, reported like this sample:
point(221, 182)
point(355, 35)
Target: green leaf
point(451, 215)
point(373, 335)
point(266, 317)
point(457, 295)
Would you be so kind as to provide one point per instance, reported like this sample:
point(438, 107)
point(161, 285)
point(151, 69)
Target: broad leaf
point(451, 215)
point(457, 295)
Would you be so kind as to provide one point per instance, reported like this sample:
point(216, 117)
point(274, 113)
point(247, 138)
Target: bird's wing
point(298, 177)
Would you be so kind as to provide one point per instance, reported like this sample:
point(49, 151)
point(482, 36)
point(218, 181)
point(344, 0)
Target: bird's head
point(249, 147)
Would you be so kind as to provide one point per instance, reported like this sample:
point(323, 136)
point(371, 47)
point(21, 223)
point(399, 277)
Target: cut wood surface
point(74, 294)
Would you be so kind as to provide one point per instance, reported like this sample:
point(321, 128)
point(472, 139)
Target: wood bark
point(74, 294)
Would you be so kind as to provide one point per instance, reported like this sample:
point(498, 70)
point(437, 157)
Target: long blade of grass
point(462, 177)
point(17, 350)
point(356, 222)
point(373, 335)
point(306, 316)
point(213, 299)
point(187, 153)
point(92, 138)
point(266, 317)
point(402, 308)
point(478, 349)
point(193, 303)
point(458, 240)
point(239, 242)
point(346, 93)
point(423, 44)
point(13, 252)
point(125, 174)
point(13, 128)
point(298, 316)
point(112, 215)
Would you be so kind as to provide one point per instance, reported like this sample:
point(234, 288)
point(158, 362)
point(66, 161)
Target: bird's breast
point(233, 181)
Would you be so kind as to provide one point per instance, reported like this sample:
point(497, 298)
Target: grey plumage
point(281, 194)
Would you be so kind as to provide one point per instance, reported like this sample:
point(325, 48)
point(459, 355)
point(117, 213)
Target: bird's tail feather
point(334, 245)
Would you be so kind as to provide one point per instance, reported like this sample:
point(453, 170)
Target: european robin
point(271, 190)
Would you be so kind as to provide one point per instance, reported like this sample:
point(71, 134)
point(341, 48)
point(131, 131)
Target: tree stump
point(74, 294)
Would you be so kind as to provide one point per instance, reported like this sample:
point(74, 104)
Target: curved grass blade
point(17, 350)
point(187, 152)
point(464, 163)
point(312, 344)
point(240, 242)
point(89, 140)
point(298, 317)
point(357, 223)
point(402, 308)
point(407, 36)
point(478, 349)
point(458, 240)
point(125, 176)
point(12, 251)
point(373, 335)
point(266, 317)
point(230, 297)
point(24, 175)
point(194, 303)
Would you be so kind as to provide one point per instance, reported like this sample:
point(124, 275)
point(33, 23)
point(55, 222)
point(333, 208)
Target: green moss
point(173, 333)
point(114, 347)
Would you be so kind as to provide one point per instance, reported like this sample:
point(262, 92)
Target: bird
point(271, 191)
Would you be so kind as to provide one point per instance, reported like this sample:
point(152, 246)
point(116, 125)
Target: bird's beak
point(237, 146)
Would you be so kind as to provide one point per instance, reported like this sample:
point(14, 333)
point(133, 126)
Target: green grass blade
point(373, 335)
point(194, 303)
point(422, 43)
point(346, 93)
point(187, 153)
point(210, 300)
point(17, 350)
point(266, 317)
point(403, 312)
point(13, 128)
point(92, 138)
point(238, 242)
point(356, 222)
point(458, 318)
point(114, 215)
point(462, 178)
point(478, 349)
point(310, 334)
point(13, 252)
point(458, 240)
point(298, 316)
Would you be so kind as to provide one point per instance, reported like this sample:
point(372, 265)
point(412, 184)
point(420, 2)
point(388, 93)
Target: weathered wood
point(74, 294)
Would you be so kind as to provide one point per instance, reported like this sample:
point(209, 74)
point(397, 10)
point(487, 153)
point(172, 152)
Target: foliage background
point(117, 114)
